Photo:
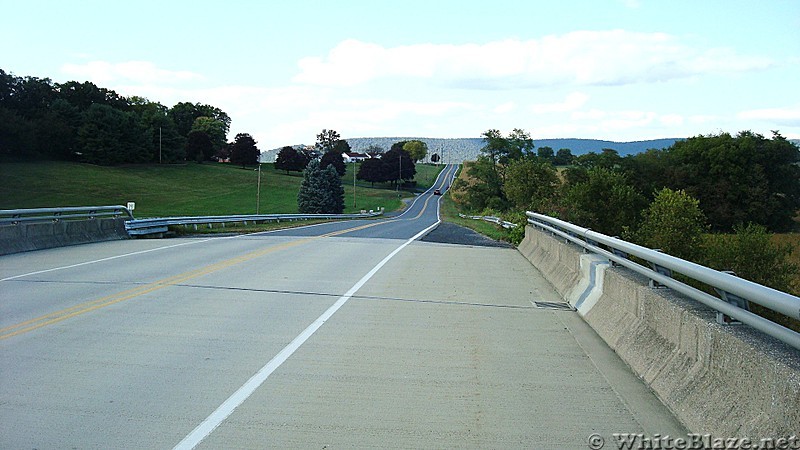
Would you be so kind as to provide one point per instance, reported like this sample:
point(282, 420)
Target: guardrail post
point(734, 300)
point(590, 242)
point(661, 270)
point(619, 253)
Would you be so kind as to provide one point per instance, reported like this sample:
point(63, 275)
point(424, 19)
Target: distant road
point(349, 334)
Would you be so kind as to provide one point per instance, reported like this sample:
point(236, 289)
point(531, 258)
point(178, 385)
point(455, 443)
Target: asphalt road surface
point(350, 334)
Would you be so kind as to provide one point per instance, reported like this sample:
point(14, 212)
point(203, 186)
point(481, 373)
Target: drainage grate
point(553, 305)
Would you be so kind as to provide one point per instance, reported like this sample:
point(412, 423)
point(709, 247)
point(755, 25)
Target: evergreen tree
point(321, 191)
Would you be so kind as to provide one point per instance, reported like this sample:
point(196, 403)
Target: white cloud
point(505, 108)
point(139, 72)
point(671, 120)
point(572, 102)
point(582, 57)
point(789, 116)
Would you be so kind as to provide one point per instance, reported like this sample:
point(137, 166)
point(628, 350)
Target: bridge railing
point(32, 215)
point(661, 266)
point(139, 227)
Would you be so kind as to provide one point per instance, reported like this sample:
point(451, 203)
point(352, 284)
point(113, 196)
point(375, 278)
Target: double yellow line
point(89, 306)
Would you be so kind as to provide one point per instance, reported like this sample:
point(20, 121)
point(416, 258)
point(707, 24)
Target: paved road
point(338, 335)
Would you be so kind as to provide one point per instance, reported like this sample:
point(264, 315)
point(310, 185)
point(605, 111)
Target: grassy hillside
point(173, 190)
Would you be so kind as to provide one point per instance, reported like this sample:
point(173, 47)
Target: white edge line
point(435, 182)
point(53, 269)
point(102, 259)
point(197, 241)
point(222, 412)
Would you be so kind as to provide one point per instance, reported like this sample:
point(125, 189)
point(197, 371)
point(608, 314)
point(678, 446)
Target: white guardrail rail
point(33, 215)
point(493, 219)
point(141, 227)
point(733, 290)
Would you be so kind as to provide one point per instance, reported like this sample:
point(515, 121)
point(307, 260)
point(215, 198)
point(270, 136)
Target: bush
point(516, 235)
point(752, 255)
point(604, 202)
point(674, 224)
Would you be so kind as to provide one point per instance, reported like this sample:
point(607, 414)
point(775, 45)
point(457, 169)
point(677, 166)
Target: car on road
point(437, 192)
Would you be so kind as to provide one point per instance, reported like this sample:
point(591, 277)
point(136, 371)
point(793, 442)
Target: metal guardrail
point(728, 285)
point(492, 219)
point(141, 227)
point(32, 215)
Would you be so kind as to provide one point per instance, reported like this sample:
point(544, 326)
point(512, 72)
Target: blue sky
point(605, 69)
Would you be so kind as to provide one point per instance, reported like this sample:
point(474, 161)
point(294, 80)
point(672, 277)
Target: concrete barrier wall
point(730, 381)
point(36, 236)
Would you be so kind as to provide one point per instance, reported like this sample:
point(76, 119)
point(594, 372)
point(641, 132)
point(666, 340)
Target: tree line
point(393, 166)
point(679, 199)
point(321, 190)
point(75, 121)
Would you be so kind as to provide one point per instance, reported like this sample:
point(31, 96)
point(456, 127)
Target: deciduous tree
point(197, 146)
point(291, 160)
point(244, 150)
point(397, 165)
point(416, 149)
point(371, 171)
point(335, 159)
point(531, 184)
point(327, 140)
point(109, 136)
point(674, 224)
point(739, 179)
point(545, 153)
point(564, 157)
point(605, 202)
point(214, 129)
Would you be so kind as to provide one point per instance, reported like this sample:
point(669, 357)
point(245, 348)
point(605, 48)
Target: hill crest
point(457, 150)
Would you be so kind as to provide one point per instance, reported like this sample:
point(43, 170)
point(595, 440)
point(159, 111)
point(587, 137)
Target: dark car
point(437, 192)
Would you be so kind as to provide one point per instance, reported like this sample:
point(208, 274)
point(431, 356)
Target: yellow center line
point(85, 307)
point(424, 207)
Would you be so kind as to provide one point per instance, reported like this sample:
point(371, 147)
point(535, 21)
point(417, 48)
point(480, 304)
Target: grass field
point(175, 190)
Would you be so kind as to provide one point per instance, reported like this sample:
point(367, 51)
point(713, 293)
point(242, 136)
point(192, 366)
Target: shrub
point(752, 255)
point(674, 224)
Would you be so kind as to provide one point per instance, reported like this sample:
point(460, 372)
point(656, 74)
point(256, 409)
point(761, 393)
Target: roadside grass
point(450, 211)
point(178, 190)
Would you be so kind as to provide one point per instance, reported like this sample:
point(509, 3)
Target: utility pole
point(354, 183)
point(159, 145)
point(258, 188)
point(400, 174)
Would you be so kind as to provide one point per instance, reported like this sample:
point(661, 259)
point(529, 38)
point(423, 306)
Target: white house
point(354, 157)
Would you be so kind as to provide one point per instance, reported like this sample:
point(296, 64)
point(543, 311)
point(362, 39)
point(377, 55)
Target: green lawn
point(174, 190)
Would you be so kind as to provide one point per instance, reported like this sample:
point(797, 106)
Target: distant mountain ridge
point(457, 150)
